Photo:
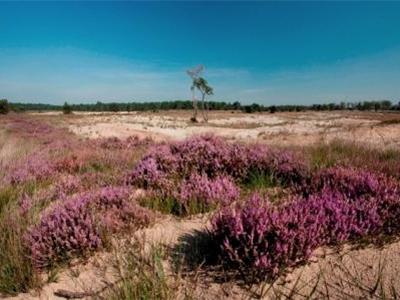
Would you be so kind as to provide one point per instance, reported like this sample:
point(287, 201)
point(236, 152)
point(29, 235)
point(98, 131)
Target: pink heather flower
point(199, 188)
point(264, 238)
point(66, 185)
point(25, 203)
point(212, 157)
point(66, 231)
point(36, 167)
point(72, 227)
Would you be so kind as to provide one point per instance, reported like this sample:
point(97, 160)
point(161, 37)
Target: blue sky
point(266, 52)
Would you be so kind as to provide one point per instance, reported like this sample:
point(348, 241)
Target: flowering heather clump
point(213, 157)
point(199, 190)
point(36, 167)
point(67, 184)
point(149, 175)
point(351, 182)
point(286, 168)
point(117, 210)
point(199, 173)
point(264, 238)
point(67, 230)
point(73, 227)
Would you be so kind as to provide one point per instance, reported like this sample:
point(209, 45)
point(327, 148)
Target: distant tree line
point(187, 105)
point(363, 106)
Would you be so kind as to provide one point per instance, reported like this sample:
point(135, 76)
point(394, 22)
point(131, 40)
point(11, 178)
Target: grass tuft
point(141, 273)
point(16, 270)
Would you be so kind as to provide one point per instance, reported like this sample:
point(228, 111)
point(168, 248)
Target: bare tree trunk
point(194, 101)
point(206, 111)
point(203, 108)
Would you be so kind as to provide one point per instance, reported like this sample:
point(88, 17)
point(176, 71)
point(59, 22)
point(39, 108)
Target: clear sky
point(266, 52)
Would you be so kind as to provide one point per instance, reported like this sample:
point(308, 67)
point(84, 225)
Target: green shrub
point(4, 106)
point(67, 109)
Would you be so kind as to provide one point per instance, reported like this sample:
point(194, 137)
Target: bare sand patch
point(282, 129)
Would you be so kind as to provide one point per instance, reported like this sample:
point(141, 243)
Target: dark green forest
point(213, 105)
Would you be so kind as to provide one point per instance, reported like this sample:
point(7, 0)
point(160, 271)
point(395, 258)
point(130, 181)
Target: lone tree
point(200, 84)
point(67, 109)
point(4, 106)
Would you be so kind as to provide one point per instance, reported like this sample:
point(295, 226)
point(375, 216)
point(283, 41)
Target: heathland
point(148, 205)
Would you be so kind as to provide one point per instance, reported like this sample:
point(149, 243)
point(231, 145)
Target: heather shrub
point(351, 182)
point(207, 155)
point(259, 238)
point(65, 231)
point(262, 239)
point(200, 194)
point(69, 164)
point(196, 194)
point(36, 167)
point(118, 211)
point(66, 185)
point(151, 174)
point(76, 225)
point(169, 166)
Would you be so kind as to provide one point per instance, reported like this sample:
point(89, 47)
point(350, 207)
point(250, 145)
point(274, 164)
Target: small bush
point(36, 167)
point(76, 225)
point(262, 239)
point(4, 106)
point(199, 194)
point(67, 109)
point(66, 231)
point(351, 182)
point(165, 166)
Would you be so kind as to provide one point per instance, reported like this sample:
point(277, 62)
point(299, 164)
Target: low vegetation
point(270, 208)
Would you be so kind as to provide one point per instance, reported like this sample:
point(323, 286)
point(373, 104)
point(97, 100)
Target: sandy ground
point(284, 129)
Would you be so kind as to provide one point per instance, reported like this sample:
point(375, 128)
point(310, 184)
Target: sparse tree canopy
point(4, 106)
